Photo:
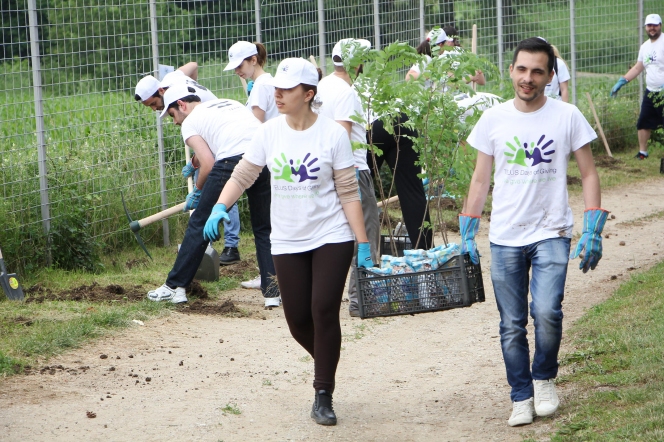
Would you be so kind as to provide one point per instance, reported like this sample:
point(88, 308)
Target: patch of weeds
point(231, 409)
point(305, 358)
point(267, 383)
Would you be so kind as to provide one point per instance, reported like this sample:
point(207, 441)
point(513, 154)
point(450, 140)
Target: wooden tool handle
point(161, 215)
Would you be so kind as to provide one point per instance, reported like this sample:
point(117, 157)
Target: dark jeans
point(400, 156)
point(312, 284)
point(194, 245)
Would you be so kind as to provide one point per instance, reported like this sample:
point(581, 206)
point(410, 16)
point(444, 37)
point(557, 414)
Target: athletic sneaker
point(230, 255)
point(273, 302)
point(522, 413)
point(641, 156)
point(165, 293)
point(546, 399)
point(253, 284)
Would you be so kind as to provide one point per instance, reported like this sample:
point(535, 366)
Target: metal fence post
point(499, 31)
point(572, 47)
point(257, 15)
point(39, 121)
point(160, 131)
point(376, 15)
point(321, 37)
point(421, 20)
point(640, 42)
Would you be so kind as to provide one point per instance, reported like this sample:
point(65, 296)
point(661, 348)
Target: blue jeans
point(510, 267)
point(232, 228)
point(194, 245)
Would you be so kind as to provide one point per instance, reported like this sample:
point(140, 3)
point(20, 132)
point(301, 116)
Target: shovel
point(9, 282)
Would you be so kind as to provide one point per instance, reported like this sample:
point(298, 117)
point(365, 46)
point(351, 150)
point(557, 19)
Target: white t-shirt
point(340, 103)
point(552, 89)
point(226, 126)
point(530, 201)
point(178, 76)
point(651, 55)
point(262, 95)
point(305, 212)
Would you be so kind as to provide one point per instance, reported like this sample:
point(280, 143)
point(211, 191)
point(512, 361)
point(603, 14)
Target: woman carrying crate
point(317, 216)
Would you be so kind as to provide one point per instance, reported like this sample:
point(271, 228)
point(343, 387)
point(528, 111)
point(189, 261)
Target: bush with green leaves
point(431, 106)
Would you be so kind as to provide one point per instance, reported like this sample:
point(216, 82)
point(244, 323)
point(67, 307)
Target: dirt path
point(436, 376)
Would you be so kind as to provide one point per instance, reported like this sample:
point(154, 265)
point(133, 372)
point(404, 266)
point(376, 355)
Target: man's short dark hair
point(138, 97)
point(533, 45)
point(187, 99)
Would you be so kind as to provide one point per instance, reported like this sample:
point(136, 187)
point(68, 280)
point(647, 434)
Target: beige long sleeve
point(245, 174)
point(345, 183)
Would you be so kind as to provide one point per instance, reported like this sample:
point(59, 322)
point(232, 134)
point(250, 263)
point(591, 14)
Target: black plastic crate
point(458, 283)
point(401, 243)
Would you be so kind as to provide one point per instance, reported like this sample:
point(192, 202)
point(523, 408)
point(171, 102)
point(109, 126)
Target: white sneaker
point(522, 413)
point(165, 293)
point(253, 284)
point(273, 302)
point(546, 399)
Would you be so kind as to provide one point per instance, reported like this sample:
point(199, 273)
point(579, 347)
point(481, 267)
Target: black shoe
point(321, 410)
point(640, 156)
point(230, 255)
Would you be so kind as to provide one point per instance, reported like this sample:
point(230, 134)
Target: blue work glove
point(468, 226)
point(191, 202)
point(250, 86)
point(591, 238)
point(188, 170)
point(364, 255)
point(618, 85)
point(211, 229)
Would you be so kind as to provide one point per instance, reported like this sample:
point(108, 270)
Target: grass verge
point(616, 366)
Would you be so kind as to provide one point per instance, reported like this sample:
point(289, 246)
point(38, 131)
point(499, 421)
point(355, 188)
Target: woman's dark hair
point(308, 87)
point(451, 31)
point(534, 45)
point(261, 57)
point(424, 48)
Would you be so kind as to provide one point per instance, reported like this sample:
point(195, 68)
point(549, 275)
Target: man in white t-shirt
point(219, 132)
point(530, 139)
point(340, 102)
point(150, 92)
point(651, 60)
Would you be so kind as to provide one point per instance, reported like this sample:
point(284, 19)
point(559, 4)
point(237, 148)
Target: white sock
point(643, 153)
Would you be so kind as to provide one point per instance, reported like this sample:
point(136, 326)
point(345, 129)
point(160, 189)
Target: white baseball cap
point(172, 78)
point(146, 87)
point(294, 71)
point(175, 93)
point(238, 52)
point(351, 45)
point(653, 19)
point(437, 36)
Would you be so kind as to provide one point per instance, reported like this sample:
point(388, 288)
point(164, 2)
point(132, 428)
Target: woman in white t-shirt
point(247, 60)
point(558, 87)
point(316, 215)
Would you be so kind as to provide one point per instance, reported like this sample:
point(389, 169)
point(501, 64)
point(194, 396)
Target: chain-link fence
point(72, 137)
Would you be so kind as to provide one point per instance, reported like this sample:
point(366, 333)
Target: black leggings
point(402, 158)
point(311, 285)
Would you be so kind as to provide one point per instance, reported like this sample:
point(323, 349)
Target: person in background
point(558, 88)
point(317, 216)
point(650, 60)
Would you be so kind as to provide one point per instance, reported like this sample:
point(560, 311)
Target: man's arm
point(348, 125)
point(190, 70)
point(635, 71)
point(479, 185)
point(589, 177)
point(204, 156)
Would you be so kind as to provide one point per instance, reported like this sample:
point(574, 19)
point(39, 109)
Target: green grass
point(616, 366)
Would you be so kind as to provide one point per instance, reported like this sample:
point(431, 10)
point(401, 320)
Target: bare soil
point(428, 377)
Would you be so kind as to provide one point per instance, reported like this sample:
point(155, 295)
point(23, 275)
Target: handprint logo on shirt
point(538, 151)
point(535, 152)
point(287, 170)
point(299, 168)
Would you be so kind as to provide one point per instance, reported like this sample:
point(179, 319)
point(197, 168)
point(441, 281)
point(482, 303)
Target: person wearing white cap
point(340, 102)
point(651, 60)
point(150, 91)
point(219, 132)
point(247, 61)
point(316, 216)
